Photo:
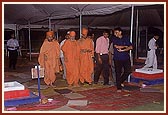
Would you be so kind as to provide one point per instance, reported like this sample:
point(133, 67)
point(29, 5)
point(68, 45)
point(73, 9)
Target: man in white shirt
point(151, 61)
point(12, 46)
point(62, 55)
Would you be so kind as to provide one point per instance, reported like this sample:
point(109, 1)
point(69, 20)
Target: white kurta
point(62, 58)
point(151, 55)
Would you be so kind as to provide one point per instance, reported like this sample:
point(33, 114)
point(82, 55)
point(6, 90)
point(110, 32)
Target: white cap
point(68, 32)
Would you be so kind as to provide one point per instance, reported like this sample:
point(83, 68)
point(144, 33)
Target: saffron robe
point(71, 58)
point(49, 58)
point(85, 59)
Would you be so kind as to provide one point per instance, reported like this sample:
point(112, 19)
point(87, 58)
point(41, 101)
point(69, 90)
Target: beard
point(50, 40)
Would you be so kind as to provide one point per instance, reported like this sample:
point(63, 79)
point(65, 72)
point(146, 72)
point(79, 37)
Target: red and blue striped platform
point(22, 100)
point(148, 79)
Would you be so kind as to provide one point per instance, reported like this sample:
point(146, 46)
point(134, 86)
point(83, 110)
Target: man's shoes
point(107, 84)
point(95, 82)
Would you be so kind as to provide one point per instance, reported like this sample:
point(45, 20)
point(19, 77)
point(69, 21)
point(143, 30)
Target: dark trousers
point(122, 69)
point(13, 54)
point(104, 67)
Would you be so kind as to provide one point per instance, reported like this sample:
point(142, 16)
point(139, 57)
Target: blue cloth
point(124, 41)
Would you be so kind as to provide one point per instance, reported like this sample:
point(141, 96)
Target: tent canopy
point(88, 14)
point(93, 15)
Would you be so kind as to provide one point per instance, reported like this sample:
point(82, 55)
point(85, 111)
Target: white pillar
point(136, 50)
point(131, 32)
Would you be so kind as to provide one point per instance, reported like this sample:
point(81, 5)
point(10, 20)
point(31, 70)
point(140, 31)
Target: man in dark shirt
point(121, 58)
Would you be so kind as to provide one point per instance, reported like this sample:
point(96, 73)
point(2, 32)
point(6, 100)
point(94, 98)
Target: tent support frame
point(131, 32)
point(29, 42)
point(136, 41)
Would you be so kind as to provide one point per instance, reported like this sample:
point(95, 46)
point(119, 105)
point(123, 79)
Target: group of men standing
point(119, 50)
point(78, 58)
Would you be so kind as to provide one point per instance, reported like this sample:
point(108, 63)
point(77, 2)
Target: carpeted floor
point(104, 99)
point(108, 100)
point(99, 97)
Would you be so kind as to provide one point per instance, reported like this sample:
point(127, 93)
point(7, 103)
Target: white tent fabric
point(67, 15)
point(40, 13)
point(21, 13)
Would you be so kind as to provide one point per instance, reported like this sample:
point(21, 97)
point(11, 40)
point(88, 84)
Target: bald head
point(72, 35)
point(50, 35)
point(84, 32)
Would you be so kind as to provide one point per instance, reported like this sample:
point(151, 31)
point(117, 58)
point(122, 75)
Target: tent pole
point(57, 34)
point(29, 41)
point(16, 31)
point(80, 24)
point(139, 37)
point(49, 24)
point(55, 30)
point(136, 51)
point(132, 19)
point(17, 37)
point(146, 39)
point(80, 20)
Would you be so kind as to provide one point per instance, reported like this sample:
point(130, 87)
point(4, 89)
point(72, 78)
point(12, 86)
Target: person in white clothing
point(151, 61)
point(111, 55)
point(12, 46)
point(62, 55)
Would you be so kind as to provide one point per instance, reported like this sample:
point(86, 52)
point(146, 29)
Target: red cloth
point(16, 94)
point(148, 76)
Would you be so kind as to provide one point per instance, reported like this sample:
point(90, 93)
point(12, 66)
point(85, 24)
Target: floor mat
point(77, 103)
point(74, 96)
point(149, 89)
point(63, 91)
